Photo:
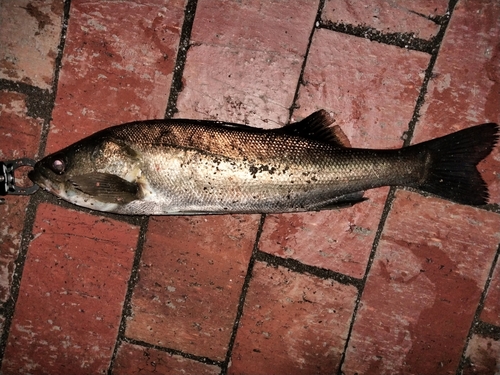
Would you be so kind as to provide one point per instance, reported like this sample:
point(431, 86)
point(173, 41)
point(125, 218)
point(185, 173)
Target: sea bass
point(185, 167)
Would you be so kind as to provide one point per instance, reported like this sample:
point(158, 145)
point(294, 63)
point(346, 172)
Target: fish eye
point(58, 166)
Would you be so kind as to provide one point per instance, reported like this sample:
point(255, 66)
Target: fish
point(191, 167)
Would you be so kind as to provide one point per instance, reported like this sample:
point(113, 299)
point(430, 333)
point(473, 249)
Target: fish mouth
point(41, 179)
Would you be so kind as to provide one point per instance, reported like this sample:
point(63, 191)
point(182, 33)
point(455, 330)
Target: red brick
point(29, 36)
point(117, 66)
point(465, 87)
point(482, 355)
point(238, 72)
point(19, 132)
point(283, 28)
point(21, 135)
point(491, 309)
point(370, 88)
point(134, 359)
point(292, 324)
point(339, 240)
point(398, 16)
point(190, 279)
point(423, 289)
point(11, 227)
point(71, 295)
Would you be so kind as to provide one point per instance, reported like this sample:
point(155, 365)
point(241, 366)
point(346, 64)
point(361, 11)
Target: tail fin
point(452, 173)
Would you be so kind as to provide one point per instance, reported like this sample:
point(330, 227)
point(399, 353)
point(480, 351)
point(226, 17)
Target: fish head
point(97, 173)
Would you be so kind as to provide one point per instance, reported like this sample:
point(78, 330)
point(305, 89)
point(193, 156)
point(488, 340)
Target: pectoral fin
point(106, 187)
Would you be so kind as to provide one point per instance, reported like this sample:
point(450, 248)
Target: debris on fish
point(185, 167)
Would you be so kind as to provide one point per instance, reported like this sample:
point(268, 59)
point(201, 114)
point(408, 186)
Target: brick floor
point(70, 301)
point(421, 294)
point(482, 356)
point(190, 280)
point(491, 309)
point(396, 284)
point(249, 74)
point(136, 359)
point(20, 132)
point(292, 323)
point(29, 35)
point(388, 16)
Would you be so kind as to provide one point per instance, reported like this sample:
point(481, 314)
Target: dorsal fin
point(316, 126)
point(339, 136)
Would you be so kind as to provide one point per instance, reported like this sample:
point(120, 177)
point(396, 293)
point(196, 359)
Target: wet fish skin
point(182, 167)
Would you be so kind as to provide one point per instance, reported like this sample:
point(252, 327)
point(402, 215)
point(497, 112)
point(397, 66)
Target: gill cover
point(110, 158)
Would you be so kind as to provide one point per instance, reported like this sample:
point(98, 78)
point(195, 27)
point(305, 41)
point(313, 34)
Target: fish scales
point(219, 169)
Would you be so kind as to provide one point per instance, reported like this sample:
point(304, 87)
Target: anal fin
point(342, 201)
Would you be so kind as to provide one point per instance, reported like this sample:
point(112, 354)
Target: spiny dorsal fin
point(316, 126)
